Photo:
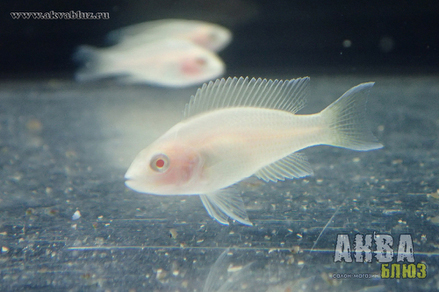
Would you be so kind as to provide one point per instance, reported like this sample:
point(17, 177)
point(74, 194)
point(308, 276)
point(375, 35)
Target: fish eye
point(200, 61)
point(159, 162)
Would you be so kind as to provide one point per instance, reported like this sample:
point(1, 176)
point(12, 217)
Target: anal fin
point(292, 166)
point(225, 203)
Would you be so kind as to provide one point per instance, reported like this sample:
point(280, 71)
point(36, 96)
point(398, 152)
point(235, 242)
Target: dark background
point(386, 36)
point(66, 146)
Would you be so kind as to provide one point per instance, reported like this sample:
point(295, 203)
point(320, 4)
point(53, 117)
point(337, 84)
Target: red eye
point(159, 162)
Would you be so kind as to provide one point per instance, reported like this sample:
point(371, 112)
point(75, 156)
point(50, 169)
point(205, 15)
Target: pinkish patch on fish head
point(206, 39)
point(167, 171)
point(193, 66)
point(213, 38)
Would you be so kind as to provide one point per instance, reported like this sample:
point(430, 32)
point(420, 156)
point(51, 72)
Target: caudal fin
point(346, 119)
point(91, 61)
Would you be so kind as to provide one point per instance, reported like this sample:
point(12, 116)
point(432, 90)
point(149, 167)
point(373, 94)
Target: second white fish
point(166, 62)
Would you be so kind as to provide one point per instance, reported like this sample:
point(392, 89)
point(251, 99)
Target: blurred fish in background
point(170, 53)
point(208, 35)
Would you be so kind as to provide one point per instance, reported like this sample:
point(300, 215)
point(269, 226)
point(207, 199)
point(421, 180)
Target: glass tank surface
point(85, 88)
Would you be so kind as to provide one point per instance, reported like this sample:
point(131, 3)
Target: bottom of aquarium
point(365, 221)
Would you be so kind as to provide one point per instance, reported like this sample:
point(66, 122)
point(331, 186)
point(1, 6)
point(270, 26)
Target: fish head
point(164, 169)
point(212, 37)
point(197, 66)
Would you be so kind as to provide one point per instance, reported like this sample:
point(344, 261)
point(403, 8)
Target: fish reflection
point(263, 276)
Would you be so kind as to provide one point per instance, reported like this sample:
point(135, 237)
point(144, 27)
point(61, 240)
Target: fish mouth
point(134, 184)
point(129, 175)
point(130, 183)
point(129, 180)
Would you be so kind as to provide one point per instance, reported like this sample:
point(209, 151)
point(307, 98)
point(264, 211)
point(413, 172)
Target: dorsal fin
point(286, 95)
point(292, 166)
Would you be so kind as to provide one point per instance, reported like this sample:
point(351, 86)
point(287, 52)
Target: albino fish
point(166, 62)
point(237, 127)
point(208, 35)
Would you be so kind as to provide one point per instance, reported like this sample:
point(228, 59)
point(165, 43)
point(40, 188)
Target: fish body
point(208, 35)
point(226, 153)
point(238, 127)
point(165, 62)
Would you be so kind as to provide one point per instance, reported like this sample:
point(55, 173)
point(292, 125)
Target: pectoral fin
point(225, 203)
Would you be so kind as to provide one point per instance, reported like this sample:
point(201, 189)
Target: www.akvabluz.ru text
point(54, 15)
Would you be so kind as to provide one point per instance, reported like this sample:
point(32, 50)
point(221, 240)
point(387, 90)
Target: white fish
point(234, 128)
point(166, 62)
point(211, 36)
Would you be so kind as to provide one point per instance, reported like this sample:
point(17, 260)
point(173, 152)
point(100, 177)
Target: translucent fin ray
point(214, 211)
point(223, 204)
point(346, 119)
point(286, 95)
point(292, 166)
point(215, 271)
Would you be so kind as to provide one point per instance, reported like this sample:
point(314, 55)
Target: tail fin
point(92, 63)
point(346, 119)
